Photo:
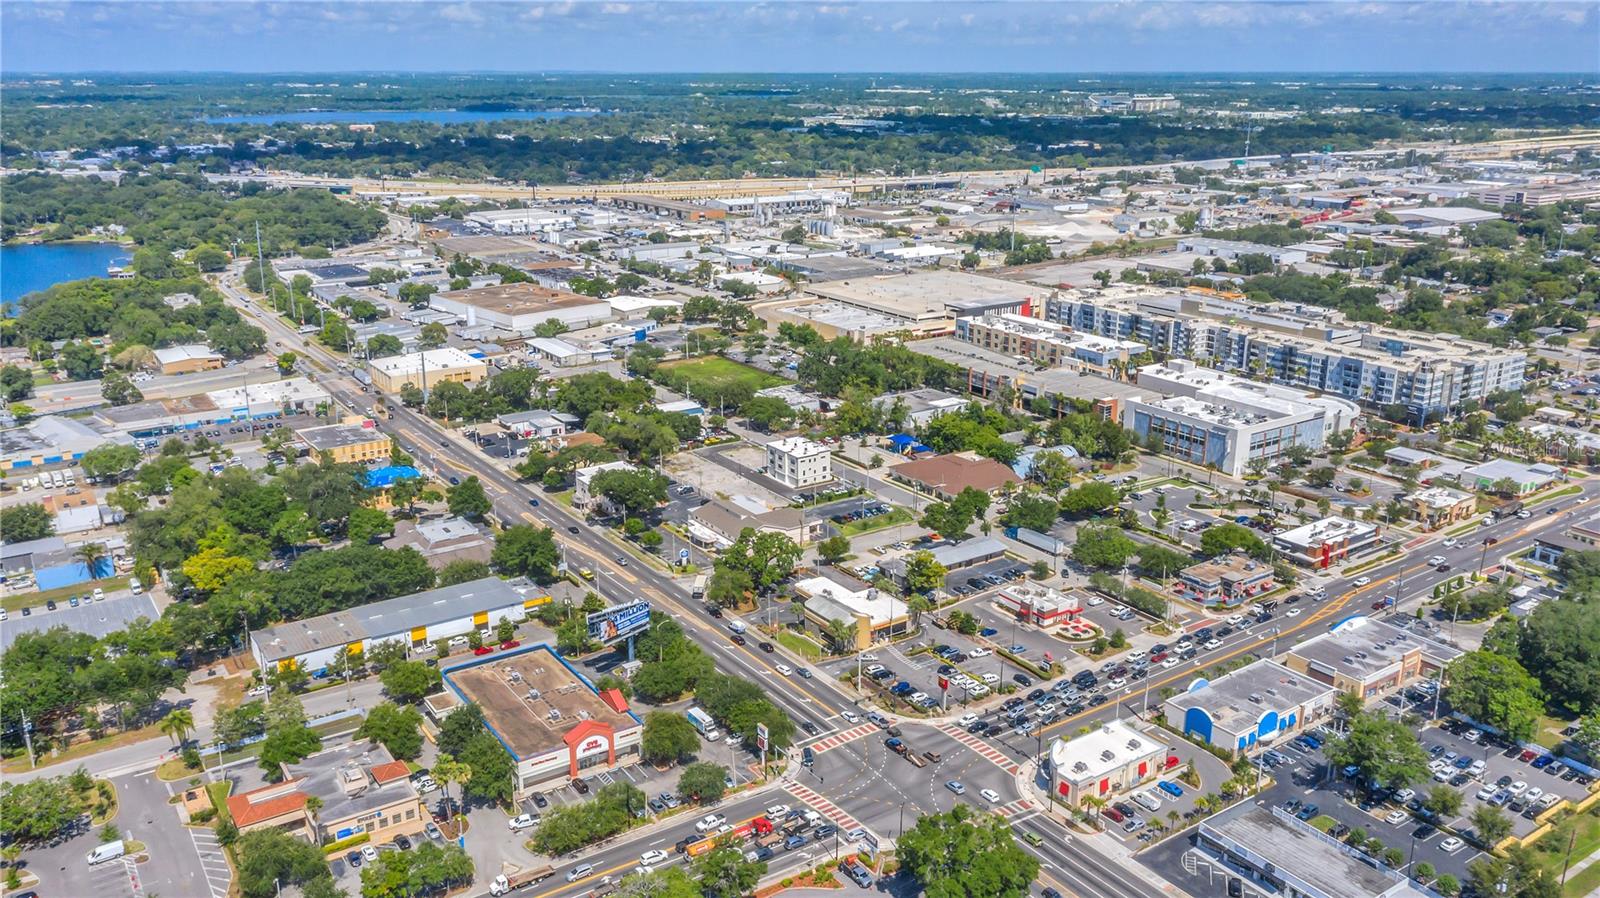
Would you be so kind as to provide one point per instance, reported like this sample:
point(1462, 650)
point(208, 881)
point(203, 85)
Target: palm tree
point(917, 604)
point(313, 805)
point(178, 723)
point(448, 770)
point(841, 634)
point(798, 603)
point(90, 554)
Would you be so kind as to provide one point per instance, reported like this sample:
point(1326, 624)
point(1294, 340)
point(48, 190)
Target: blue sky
point(887, 36)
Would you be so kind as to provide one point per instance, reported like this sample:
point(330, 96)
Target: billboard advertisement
point(619, 622)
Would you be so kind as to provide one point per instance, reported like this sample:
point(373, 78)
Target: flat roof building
point(417, 620)
point(347, 443)
point(270, 399)
point(521, 307)
point(426, 370)
point(798, 462)
point(443, 541)
point(874, 614)
point(1046, 342)
point(1103, 763)
point(1286, 856)
point(49, 440)
point(551, 719)
point(1322, 543)
point(1367, 657)
point(922, 301)
point(1439, 506)
point(920, 405)
point(1256, 705)
point(360, 789)
point(1225, 582)
point(187, 359)
point(1523, 478)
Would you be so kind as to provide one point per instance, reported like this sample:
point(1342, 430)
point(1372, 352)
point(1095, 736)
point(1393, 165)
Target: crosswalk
point(841, 738)
point(1019, 809)
point(824, 807)
point(983, 749)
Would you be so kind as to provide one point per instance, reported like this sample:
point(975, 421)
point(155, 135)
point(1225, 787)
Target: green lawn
point(1323, 822)
point(1552, 854)
point(895, 517)
point(18, 601)
point(1557, 494)
point(713, 373)
point(798, 644)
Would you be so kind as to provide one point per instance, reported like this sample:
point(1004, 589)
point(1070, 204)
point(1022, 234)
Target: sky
point(792, 36)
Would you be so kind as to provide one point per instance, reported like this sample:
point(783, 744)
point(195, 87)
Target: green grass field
point(895, 517)
point(713, 373)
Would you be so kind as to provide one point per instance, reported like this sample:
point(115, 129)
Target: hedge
point(342, 844)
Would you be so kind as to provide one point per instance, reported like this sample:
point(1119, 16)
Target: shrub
point(204, 815)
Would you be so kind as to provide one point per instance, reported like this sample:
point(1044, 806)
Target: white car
point(457, 642)
point(522, 822)
point(1211, 644)
point(784, 669)
point(967, 720)
point(426, 785)
point(851, 716)
point(1135, 655)
point(1361, 581)
point(1533, 794)
point(1436, 560)
point(1449, 543)
point(990, 678)
point(652, 857)
point(1095, 600)
point(1395, 818)
point(1292, 612)
point(709, 822)
point(777, 811)
point(99, 595)
point(917, 697)
point(1517, 788)
point(868, 656)
point(1236, 619)
point(979, 691)
point(979, 653)
point(1451, 844)
point(990, 796)
point(1170, 661)
point(873, 669)
point(1117, 682)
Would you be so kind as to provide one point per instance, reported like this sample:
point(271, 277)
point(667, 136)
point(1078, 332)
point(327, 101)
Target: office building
point(538, 424)
point(520, 308)
point(1214, 418)
point(1104, 763)
point(1301, 346)
point(1046, 342)
point(1257, 705)
point(1367, 657)
point(426, 370)
point(346, 443)
point(1323, 543)
point(798, 462)
point(359, 790)
point(551, 719)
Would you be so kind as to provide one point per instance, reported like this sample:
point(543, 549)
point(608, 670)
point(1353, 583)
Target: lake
point(432, 116)
point(28, 267)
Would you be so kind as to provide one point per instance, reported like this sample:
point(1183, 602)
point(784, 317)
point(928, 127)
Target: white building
point(1322, 543)
point(270, 398)
point(798, 462)
point(520, 308)
point(1104, 763)
point(581, 497)
point(521, 221)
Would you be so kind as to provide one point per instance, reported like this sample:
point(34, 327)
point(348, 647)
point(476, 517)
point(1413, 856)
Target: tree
point(834, 549)
point(287, 745)
point(1091, 498)
point(1159, 562)
point(572, 637)
point(286, 363)
point(924, 573)
point(1443, 801)
point(1032, 512)
point(1386, 753)
point(110, 460)
point(16, 383)
point(1561, 641)
point(1103, 547)
point(493, 774)
point(35, 811)
point(1490, 824)
point(635, 492)
point(468, 500)
point(382, 345)
point(1224, 538)
point(527, 551)
point(842, 634)
point(458, 728)
point(432, 335)
point(409, 681)
point(668, 738)
point(963, 853)
point(271, 860)
point(704, 782)
point(724, 873)
point(766, 557)
point(116, 389)
point(178, 724)
point(21, 523)
point(768, 413)
point(367, 523)
point(1496, 691)
point(395, 728)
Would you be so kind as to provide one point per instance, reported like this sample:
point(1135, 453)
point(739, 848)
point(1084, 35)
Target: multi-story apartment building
point(1303, 346)
point(1046, 342)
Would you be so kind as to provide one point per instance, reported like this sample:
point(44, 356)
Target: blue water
point(433, 116)
point(28, 267)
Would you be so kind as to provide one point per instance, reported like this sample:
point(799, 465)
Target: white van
point(736, 626)
point(56, 480)
point(107, 852)
point(1147, 801)
point(135, 585)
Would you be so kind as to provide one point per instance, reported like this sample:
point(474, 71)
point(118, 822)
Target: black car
point(714, 610)
point(353, 858)
point(27, 611)
point(540, 801)
point(402, 843)
point(767, 647)
point(581, 786)
point(977, 727)
point(50, 605)
point(809, 727)
point(1022, 679)
point(534, 502)
point(1035, 695)
point(737, 639)
point(572, 530)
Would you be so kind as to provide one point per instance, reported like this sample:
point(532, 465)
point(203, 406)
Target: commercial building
point(1039, 605)
point(1367, 657)
point(1289, 857)
point(1302, 346)
point(531, 220)
point(582, 498)
point(426, 370)
point(521, 307)
point(988, 372)
point(187, 359)
point(947, 475)
point(1581, 536)
point(538, 424)
point(347, 443)
point(1216, 419)
point(953, 556)
point(1135, 102)
point(1256, 705)
point(798, 462)
point(1328, 541)
point(717, 523)
point(1046, 342)
point(567, 354)
point(417, 620)
point(795, 202)
point(271, 399)
point(920, 406)
point(923, 302)
point(1103, 763)
point(1439, 506)
point(1224, 582)
point(51, 440)
point(443, 541)
point(1231, 250)
point(552, 721)
point(1521, 478)
point(874, 615)
point(358, 789)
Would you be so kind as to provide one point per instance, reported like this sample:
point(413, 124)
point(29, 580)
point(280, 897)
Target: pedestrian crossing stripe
point(983, 749)
point(823, 806)
point(844, 738)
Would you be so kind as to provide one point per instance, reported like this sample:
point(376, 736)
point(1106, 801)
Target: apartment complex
point(1046, 342)
point(1303, 346)
point(797, 462)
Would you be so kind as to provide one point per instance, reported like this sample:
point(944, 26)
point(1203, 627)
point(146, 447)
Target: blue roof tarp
point(382, 478)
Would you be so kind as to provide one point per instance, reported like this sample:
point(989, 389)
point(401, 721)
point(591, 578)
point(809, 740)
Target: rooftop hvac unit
point(1133, 745)
point(515, 676)
point(1107, 755)
point(534, 695)
point(555, 714)
point(1255, 698)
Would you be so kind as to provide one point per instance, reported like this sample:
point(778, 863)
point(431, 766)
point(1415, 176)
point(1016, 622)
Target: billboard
point(763, 736)
point(619, 622)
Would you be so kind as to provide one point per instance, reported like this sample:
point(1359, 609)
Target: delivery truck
point(517, 878)
point(704, 723)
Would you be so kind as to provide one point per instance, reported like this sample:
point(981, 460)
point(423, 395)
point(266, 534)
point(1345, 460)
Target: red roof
point(588, 728)
point(615, 699)
point(388, 773)
point(264, 804)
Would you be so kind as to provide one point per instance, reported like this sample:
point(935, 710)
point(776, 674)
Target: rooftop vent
point(1107, 755)
point(1255, 698)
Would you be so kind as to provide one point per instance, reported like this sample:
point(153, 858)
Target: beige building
point(361, 789)
point(346, 443)
point(1104, 764)
point(426, 370)
point(187, 359)
point(1440, 506)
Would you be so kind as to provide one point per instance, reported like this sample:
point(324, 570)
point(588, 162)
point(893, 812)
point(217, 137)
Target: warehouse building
point(924, 301)
point(270, 399)
point(425, 370)
point(1289, 857)
point(553, 722)
point(50, 440)
point(521, 307)
point(531, 220)
point(417, 620)
point(1259, 704)
point(187, 359)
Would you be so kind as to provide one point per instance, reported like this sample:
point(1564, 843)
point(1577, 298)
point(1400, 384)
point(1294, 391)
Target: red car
point(1112, 814)
point(511, 643)
point(482, 650)
point(1527, 755)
